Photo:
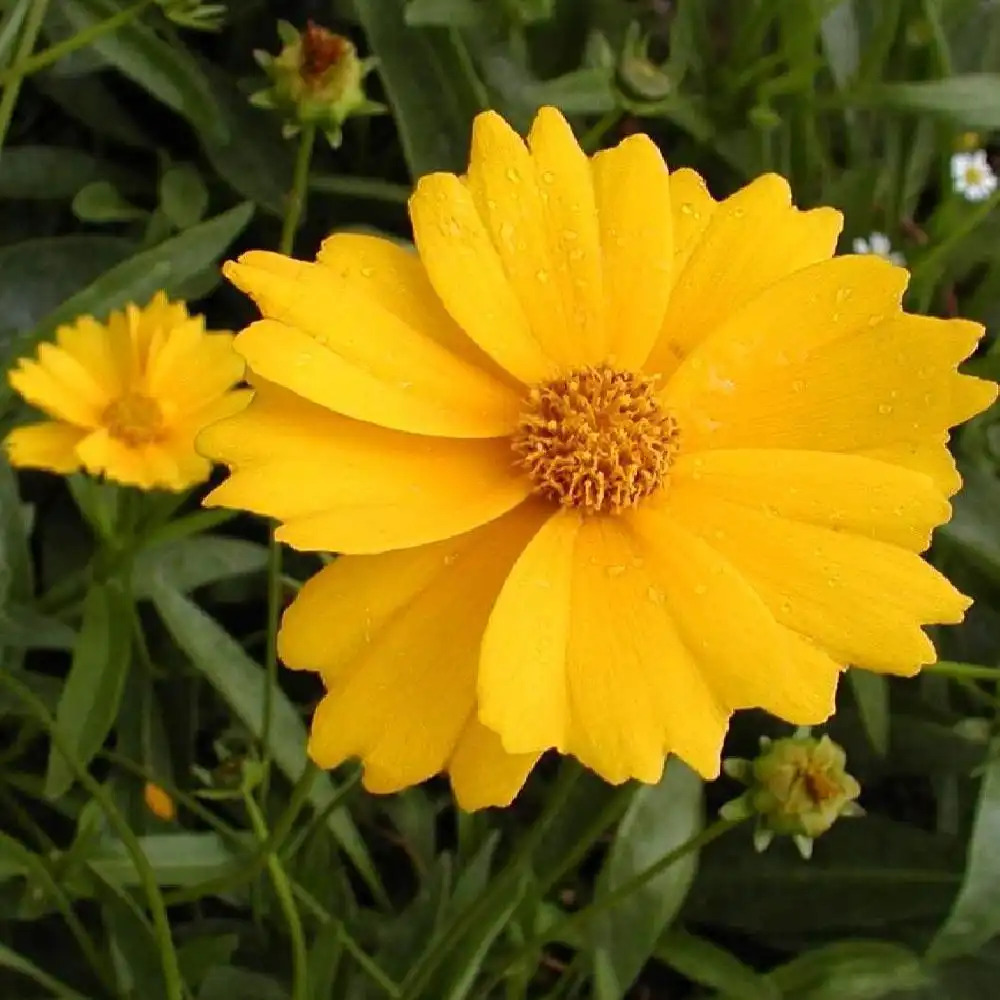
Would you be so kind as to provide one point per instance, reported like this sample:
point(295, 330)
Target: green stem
point(294, 207)
point(286, 899)
point(173, 982)
point(373, 188)
point(27, 64)
point(969, 671)
point(10, 80)
point(940, 251)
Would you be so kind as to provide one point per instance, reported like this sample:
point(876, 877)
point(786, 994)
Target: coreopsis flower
point(880, 245)
point(972, 175)
point(797, 787)
point(316, 79)
point(127, 397)
point(607, 459)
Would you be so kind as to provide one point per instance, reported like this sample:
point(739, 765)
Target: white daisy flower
point(880, 245)
point(972, 175)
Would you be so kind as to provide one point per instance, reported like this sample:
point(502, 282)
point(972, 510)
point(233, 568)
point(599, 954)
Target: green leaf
point(183, 195)
point(970, 101)
point(709, 965)
point(446, 13)
point(48, 172)
point(167, 72)
point(231, 982)
point(198, 956)
point(975, 917)
point(165, 267)
point(433, 92)
point(974, 525)
point(871, 692)
point(92, 693)
point(178, 859)
point(851, 970)
point(841, 42)
point(588, 91)
point(188, 563)
point(100, 201)
point(240, 682)
point(25, 628)
point(10, 959)
point(659, 819)
point(39, 274)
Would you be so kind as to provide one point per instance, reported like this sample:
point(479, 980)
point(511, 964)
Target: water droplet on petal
point(367, 272)
point(843, 294)
point(615, 570)
point(884, 408)
point(542, 276)
point(656, 595)
point(548, 176)
point(513, 176)
point(700, 589)
point(570, 235)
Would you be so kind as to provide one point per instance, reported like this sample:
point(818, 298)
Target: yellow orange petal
point(931, 457)
point(394, 277)
point(860, 600)
point(401, 681)
point(482, 773)
point(47, 445)
point(692, 208)
point(857, 375)
point(147, 467)
point(745, 658)
point(469, 277)
point(54, 386)
point(581, 654)
point(571, 220)
point(753, 239)
point(634, 207)
point(340, 485)
point(89, 343)
point(192, 369)
point(333, 344)
point(839, 491)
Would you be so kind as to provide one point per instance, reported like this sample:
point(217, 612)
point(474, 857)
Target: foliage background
point(131, 161)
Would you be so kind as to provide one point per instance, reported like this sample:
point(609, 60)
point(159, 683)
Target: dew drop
point(449, 559)
point(542, 276)
point(656, 595)
point(615, 570)
point(798, 385)
point(513, 176)
point(506, 231)
point(843, 294)
point(700, 589)
point(548, 176)
point(576, 254)
point(884, 408)
point(688, 209)
point(405, 385)
point(367, 272)
point(570, 235)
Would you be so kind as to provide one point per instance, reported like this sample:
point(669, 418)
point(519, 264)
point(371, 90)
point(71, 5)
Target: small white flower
point(880, 245)
point(972, 175)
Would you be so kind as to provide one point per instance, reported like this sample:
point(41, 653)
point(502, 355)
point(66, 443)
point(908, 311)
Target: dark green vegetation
point(135, 163)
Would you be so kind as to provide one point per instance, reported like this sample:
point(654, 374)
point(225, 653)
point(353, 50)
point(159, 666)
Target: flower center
point(973, 176)
point(598, 440)
point(135, 419)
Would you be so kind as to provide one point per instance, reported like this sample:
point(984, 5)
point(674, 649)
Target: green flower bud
point(316, 79)
point(797, 787)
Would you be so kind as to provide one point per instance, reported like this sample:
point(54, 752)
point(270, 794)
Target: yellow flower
point(127, 397)
point(608, 459)
point(159, 802)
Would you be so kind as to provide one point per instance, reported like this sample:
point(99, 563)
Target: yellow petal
point(733, 636)
point(824, 361)
point(340, 485)
point(482, 773)
point(506, 189)
point(570, 210)
point(469, 277)
point(401, 679)
point(54, 386)
point(753, 239)
point(931, 457)
point(581, 654)
point(860, 600)
point(91, 344)
point(192, 369)
point(394, 277)
point(48, 445)
point(633, 202)
point(146, 467)
point(843, 492)
point(334, 344)
point(692, 207)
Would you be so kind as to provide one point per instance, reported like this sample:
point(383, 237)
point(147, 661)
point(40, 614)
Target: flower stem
point(11, 80)
point(27, 64)
point(969, 671)
point(294, 207)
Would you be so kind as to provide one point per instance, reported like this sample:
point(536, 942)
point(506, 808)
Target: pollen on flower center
point(135, 419)
point(598, 439)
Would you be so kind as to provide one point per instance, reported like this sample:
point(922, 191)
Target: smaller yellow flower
point(159, 803)
point(128, 396)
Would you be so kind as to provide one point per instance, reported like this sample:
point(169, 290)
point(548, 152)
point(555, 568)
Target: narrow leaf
point(88, 705)
point(969, 101)
point(10, 959)
point(975, 915)
point(871, 692)
point(660, 818)
point(188, 563)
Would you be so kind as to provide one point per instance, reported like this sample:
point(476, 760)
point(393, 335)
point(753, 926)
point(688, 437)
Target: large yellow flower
point(127, 397)
point(608, 460)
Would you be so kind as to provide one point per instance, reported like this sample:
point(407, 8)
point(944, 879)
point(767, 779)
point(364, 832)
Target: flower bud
point(317, 79)
point(797, 787)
